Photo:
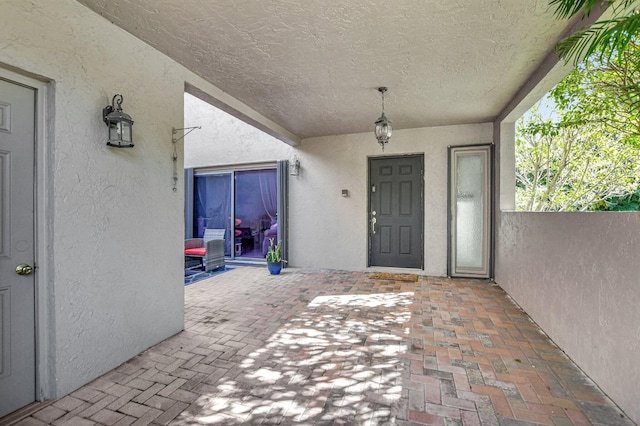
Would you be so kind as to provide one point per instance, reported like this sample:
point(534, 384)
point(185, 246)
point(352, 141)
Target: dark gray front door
point(396, 211)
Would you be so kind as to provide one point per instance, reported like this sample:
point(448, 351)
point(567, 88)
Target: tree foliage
point(583, 154)
point(581, 150)
point(604, 93)
point(570, 168)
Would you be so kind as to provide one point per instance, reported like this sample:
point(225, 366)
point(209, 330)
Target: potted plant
point(274, 257)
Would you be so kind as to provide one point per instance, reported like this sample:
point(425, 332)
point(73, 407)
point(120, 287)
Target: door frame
point(422, 207)
point(489, 208)
point(43, 227)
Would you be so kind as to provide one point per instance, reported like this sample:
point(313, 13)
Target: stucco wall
point(328, 230)
point(115, 282)
point(577, 275)
point(224, 139)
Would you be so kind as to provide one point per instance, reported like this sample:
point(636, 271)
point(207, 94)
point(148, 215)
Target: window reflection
point(244, 203)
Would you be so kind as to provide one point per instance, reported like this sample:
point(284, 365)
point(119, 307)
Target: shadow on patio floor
point(338, 348)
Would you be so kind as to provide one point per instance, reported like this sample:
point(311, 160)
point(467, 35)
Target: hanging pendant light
point(383, 124)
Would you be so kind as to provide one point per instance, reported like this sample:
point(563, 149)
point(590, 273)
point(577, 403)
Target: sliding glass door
point(213, 206)
point(242, 202)
point(256, 212)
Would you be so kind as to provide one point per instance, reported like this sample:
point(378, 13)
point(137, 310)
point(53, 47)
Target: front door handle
point(373, 225)
point(24, 269)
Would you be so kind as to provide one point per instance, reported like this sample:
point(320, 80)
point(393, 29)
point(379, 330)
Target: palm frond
point(568, 8)
point(626, 4)
point(606, 37)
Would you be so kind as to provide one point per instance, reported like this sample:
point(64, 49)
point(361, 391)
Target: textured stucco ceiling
point(313, 66)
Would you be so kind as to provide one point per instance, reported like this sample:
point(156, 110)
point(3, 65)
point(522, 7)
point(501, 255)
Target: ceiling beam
point(245, 113)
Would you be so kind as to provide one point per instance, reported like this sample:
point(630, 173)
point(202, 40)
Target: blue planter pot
point(274, 267)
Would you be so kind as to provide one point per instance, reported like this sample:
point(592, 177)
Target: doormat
point(394, 277)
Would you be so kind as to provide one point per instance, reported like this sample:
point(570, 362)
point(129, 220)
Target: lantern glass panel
point(383, 130)
point(126, 132)
point(115, 132)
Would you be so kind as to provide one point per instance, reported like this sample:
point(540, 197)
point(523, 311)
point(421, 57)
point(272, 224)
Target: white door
point(17, 255)
point(470, 207)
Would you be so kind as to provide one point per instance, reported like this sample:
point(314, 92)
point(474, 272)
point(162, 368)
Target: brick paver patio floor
point(339, 348)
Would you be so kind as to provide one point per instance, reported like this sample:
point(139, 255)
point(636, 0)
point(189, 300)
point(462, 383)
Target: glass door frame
point(486, 270)
point(229, 229)
point(281, 168)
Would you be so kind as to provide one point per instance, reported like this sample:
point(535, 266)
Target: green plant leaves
point(577, 149)
point(274, 252)
point(606, 38)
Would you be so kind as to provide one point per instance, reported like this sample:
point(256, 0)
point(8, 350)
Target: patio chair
point(210, 249)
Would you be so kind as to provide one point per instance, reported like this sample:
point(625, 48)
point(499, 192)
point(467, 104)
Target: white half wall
point(577, 276)
point(327, 230)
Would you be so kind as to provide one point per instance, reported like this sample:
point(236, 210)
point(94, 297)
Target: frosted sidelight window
point(470, 214)
point(469, 211)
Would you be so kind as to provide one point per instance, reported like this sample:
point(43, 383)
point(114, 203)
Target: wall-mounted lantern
point(119, 124)
point(294, 167)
